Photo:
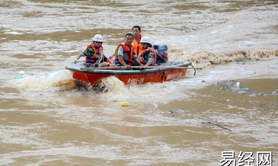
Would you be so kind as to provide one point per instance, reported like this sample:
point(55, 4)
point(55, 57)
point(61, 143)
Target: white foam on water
point(52, 81)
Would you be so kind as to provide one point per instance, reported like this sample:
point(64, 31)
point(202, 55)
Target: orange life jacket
point(145, 61)
point(137, 46)
point(128, 54)
point(93, 59)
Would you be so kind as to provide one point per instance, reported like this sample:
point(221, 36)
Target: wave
point(206, 58)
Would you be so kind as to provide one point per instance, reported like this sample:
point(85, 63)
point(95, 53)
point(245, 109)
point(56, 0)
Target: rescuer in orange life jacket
point(136, 31)
point(125, 54)
point(147, 56)
point(94, 53)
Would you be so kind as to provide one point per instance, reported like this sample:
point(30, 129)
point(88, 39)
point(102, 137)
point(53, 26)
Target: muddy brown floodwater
point(229, 109)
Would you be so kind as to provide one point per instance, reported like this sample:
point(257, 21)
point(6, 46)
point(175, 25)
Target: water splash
point(55, 81)
point(114, 89)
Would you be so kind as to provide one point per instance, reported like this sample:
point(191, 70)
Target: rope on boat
point(194, 69)
point(101, 57)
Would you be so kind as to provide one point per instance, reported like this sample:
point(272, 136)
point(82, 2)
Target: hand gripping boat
point(166, 71)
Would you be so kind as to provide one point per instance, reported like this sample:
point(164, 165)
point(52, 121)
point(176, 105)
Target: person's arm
point(121, 59)
point(79, 56)
point(150, 61)
point(120, 51)
point(138, 62)
point(84, 53)
point(120, 56)
point(135, 59)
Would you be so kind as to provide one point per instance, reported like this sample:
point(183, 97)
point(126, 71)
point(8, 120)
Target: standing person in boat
point(94, 53)
point(147, 56)
point(125, 54)
point(136, 31)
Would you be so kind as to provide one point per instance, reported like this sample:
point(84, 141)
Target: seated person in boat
point(147, 56)
point(136, 31)
point(125, 54)
point(94, 53)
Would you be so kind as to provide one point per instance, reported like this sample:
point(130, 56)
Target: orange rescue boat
point(165, 72)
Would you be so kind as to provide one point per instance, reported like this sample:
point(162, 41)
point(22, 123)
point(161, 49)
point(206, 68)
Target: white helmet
point(98, 38)
point(145, 39)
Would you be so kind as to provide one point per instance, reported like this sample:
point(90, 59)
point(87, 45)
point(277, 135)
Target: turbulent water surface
point(230, 105)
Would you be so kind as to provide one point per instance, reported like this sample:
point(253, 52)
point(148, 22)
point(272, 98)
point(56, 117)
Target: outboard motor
point(162, 55)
